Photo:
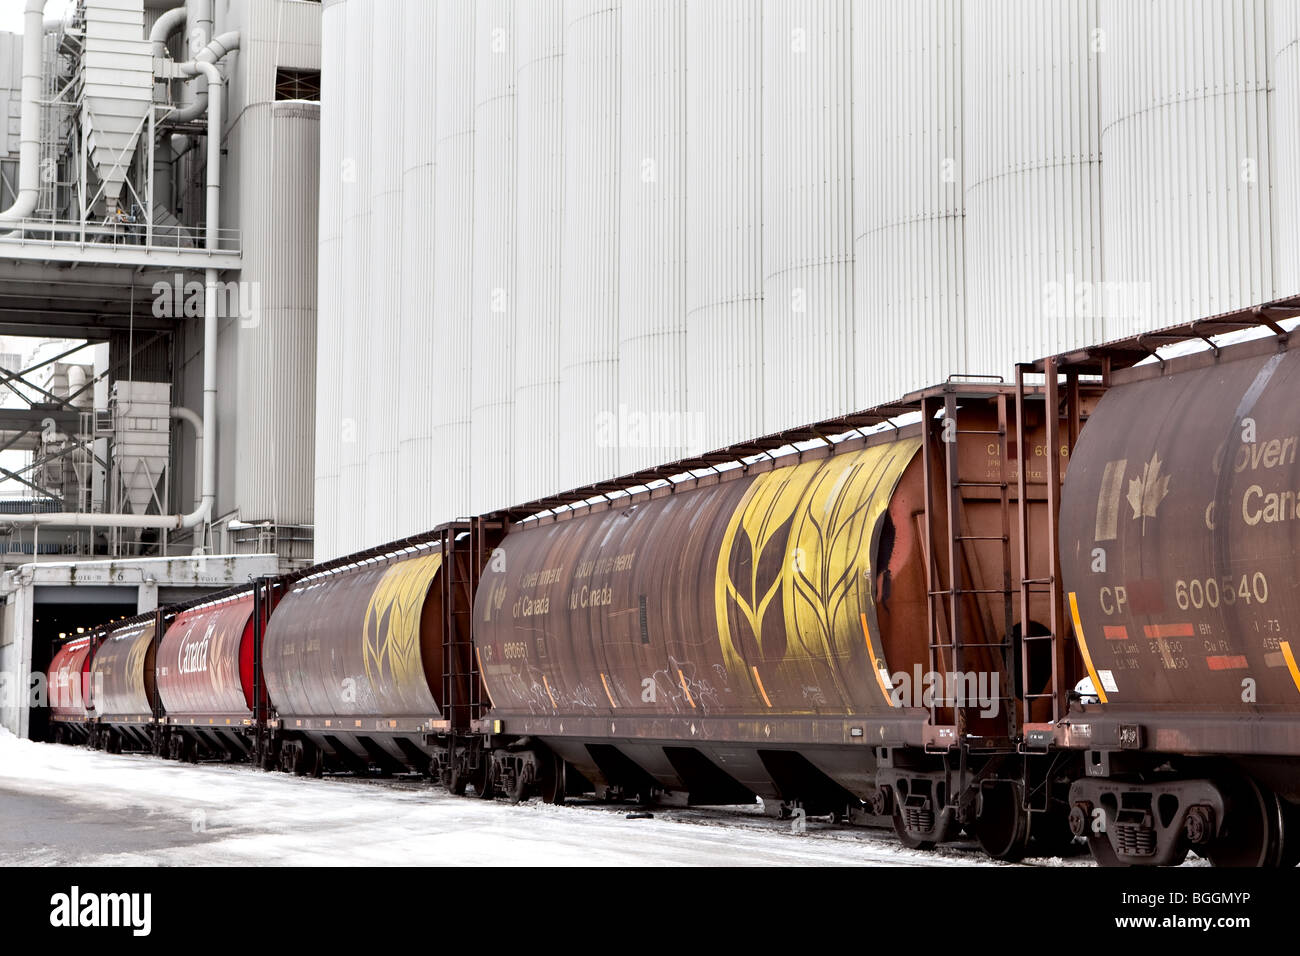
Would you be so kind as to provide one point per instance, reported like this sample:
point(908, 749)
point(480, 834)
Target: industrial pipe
point(200, 38)
point(29, 156)
point(163, 28)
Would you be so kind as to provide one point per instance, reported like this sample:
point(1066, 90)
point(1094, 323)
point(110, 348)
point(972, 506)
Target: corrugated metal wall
point(590, 248)
point(1032, 172)
point(418, 455)
point(807, 210)
point(492, 462)
point(451, 288)
point(908, 230)
point(650, 424)
point(634, 228)
point(388, 202)
point(354, 368)
point(1186, 167)
point(331, 278)
point(724, 221)
point(539, 225)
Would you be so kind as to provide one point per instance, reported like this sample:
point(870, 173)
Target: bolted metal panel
point(539, 189)
point(419, 353)
point(808, 210)
point(274, 315)
point(331, 280)
point(1284, 110)
point(590, 248)
point(354, 411)
point(1032, 174)
point(205, 660)
point(453, 262)
point(1187, 170)
point(382, 318)
point(494, 294)
point(650, 424)
point(909, 261)
point(724, 221)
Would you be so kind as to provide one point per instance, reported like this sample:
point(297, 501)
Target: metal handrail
point(122, 234)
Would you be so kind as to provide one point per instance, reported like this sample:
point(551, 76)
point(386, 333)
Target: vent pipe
point(29, 181)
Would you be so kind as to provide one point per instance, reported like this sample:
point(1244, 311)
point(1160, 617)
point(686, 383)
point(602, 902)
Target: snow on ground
point(74, 806)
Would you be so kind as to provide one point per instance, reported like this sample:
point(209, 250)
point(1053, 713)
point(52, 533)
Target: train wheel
point(519, 789)
point(553, 784)
point(1252, 834)
point(457, 779)
point(1002, 827)
point(485, 780)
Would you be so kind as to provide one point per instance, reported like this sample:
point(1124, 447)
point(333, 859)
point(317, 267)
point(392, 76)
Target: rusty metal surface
point(205, 660)
point(122, 673)
point(66, 680)
point(1179, 536)
point(752, 596)
point(364, 642)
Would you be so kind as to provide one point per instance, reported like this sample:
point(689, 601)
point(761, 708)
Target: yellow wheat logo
point(392, 624)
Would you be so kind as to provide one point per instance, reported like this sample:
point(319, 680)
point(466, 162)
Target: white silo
point(909, 260)
point(1186, 167)
point(494, 295)
point(539, 229)
point(354, 370)
point(650, 425)
point(589, 263)
point(724, 221)
point(331, 280)
point(452, 267)
point(807, 210)
point(1032, 174)
point(382, 319)
point(417, 457)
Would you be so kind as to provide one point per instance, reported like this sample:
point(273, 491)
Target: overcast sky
point(11, 12)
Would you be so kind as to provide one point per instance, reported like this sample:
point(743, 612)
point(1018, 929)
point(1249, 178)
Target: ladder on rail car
point(947, 599)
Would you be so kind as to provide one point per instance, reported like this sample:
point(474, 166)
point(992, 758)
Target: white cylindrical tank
point(452, 267)
point(1186, 170)
point(383, 322)
point(651, 424)
point(275, 396)
point(807, 210)
point(724, 221)
point(493, 333)
point(354, 366)
point(330, 282)
point(909, 328)
point(1032, 171)
point(589, 263)
point(539, 228)
point(420, 352)
point(1285, 112)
